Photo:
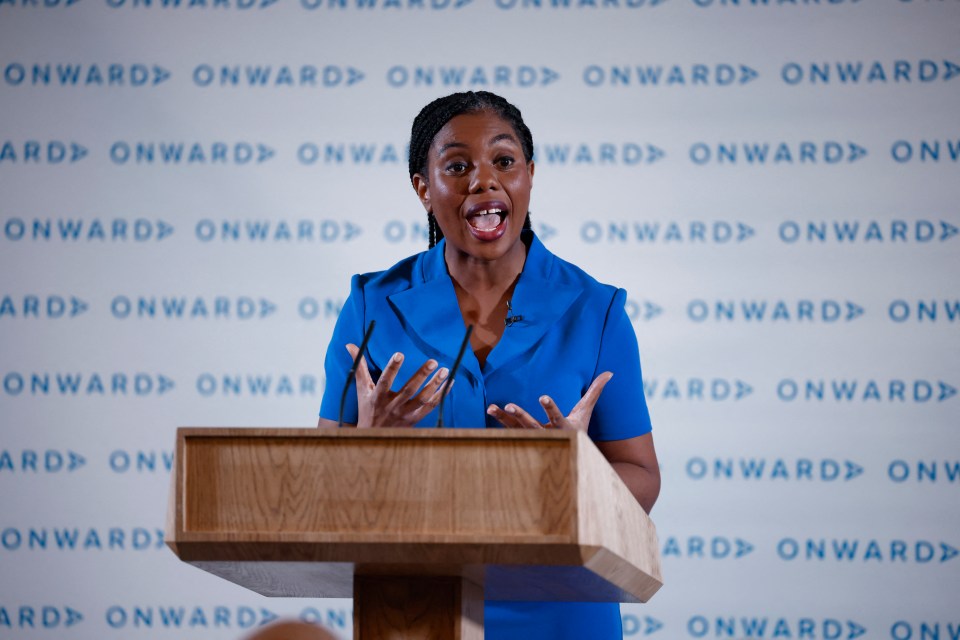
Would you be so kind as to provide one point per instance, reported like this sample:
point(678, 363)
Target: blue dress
point(572, 329)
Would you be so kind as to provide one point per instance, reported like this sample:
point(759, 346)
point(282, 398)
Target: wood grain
point(386, 485)
point(530, 515)
point(417, 608)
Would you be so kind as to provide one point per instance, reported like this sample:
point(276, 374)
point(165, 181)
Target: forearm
point(643, 483)
point(635, 461)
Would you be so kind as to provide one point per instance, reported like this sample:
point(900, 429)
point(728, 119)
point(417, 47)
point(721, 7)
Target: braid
point(435, 234)
point(438, 113)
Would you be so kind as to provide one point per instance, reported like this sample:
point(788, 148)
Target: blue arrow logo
point(77, 306)
point(853, 470)
point(163, 230)
point(545, 231)
point(948, 552)
point(264, 153)
point(651, 625)
point(856, 152)
point(77, 152)
point(743, 390)
point(744, 231)
point(654, 153)
point(747, 74)
point(266, 3)
point(460, 3)
point(165, 384)
point(351, 231)
point(952, 70)
point(946, 391)
point(354, 76)
point(853, 311)
point(266, 307)
point(743, 548)
point(549, 75)
point(267, 616)
point(855, 630)
point(73, 616)
point(651, 310)
point(76, 461)
point(159, 75)
point(948, 230)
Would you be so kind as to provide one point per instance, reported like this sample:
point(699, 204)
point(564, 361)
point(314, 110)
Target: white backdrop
point(186, 187)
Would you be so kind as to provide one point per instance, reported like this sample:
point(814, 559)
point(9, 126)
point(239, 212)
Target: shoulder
point(562, 271)
point(399, 277)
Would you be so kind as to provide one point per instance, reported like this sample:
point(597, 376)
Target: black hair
point(438, 113)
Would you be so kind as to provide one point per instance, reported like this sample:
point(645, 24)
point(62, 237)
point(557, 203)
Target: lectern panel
point(524, 515)
point(379, 485)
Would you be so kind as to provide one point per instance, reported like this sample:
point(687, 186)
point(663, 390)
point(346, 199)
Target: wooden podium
point(418, 526)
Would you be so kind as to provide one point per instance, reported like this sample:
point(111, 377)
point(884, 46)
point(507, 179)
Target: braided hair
point(438, 113)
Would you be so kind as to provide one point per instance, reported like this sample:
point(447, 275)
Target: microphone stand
point(353, 370)
point(453, 372)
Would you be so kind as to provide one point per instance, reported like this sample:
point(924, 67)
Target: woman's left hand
point(513, 417)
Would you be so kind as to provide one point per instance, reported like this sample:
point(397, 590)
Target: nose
point(484, 178)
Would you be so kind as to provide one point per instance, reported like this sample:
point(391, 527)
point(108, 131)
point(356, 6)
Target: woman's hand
point(378, 406)
point(514, 417)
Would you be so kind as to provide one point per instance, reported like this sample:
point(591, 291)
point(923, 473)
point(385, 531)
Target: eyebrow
point(493, 140)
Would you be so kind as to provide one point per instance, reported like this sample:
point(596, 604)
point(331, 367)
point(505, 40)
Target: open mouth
point(487, 219)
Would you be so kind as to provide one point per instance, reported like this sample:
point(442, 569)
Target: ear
point(422, 187)
point(530, 170)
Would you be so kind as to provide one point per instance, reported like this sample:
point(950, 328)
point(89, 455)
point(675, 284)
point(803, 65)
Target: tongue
point(486, 221)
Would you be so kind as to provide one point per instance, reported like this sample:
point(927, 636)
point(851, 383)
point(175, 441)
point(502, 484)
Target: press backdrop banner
point(186, 187)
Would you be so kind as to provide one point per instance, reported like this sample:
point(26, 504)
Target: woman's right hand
point(378, 406)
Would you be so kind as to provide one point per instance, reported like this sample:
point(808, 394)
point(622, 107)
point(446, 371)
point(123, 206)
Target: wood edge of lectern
point(598, 490)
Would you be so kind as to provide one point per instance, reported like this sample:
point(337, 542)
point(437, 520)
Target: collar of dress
point(430, 314)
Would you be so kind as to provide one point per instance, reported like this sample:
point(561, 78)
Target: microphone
point(353, 370)
point(453, 372)
point(511, 318)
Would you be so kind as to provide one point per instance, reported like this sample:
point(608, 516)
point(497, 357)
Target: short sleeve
point(621, 412)
point(337, 363)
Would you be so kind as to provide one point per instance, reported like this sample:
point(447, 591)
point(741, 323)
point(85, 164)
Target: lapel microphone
point(511, 318)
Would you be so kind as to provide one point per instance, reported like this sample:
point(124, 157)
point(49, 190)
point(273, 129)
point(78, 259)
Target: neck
point(486, 276)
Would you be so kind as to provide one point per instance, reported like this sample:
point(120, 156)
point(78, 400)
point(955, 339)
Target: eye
point(504, 162)
point(456, 167)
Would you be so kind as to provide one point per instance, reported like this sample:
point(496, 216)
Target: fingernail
point(397, 357)
point(510, 408)
point(544, 399)
point(443, 373)
point(490, 410)
point(431, 365)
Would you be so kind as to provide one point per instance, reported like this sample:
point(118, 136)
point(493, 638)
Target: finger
point(589, 399)
point(390, 371)
point(505, 419)
point(363, 374)
point(428, 397)
point(557, 419)
point(416, 380)
point(420, 412)
point(433, 390)
point(526, 420)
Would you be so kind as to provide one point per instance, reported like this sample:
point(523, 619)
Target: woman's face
point(477, 185)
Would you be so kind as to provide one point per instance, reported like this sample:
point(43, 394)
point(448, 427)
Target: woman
point(544, 333)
